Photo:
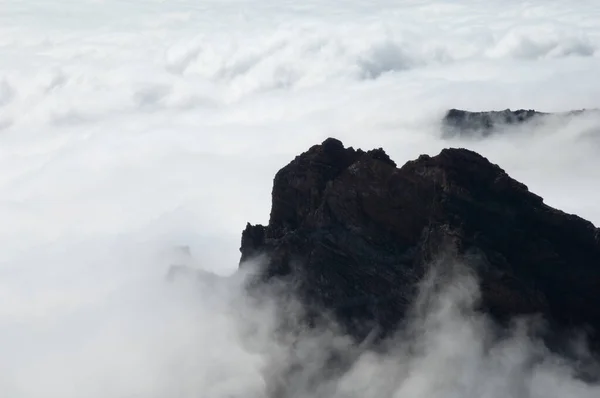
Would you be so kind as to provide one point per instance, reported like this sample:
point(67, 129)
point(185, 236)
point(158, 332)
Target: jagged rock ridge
point(457, 122)
point(355, 233)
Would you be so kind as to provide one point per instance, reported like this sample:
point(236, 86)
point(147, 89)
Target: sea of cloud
point(128, 128)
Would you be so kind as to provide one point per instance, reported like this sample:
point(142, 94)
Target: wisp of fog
point(131, 129)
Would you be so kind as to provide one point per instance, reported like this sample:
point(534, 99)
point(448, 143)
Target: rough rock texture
point(458, 122)
point(355, 233)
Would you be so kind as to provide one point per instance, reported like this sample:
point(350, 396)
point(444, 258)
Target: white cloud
point(130, 127)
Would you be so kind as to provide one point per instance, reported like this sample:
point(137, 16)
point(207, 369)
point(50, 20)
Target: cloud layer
point(129, 128)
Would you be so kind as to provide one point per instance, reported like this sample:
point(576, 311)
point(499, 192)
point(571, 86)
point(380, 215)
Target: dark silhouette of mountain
point(458, 122)
point(351, 233)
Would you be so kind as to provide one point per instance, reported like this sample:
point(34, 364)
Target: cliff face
point(354, 234)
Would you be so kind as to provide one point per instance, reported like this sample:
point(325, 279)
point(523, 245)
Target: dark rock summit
point(459, 122)
point(354, 234)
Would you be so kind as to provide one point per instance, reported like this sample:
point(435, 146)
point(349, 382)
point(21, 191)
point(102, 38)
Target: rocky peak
point(356, 233)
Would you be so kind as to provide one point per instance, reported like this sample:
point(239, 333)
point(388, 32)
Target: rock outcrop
point(354, 234)
point(458, 122)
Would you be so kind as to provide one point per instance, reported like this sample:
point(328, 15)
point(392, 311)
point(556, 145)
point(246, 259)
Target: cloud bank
point(130, 128)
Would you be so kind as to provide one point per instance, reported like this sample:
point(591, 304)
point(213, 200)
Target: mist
point(131, 129)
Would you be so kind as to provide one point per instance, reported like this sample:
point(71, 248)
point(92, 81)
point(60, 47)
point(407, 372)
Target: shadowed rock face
point(354, 234)
point(458, 122)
